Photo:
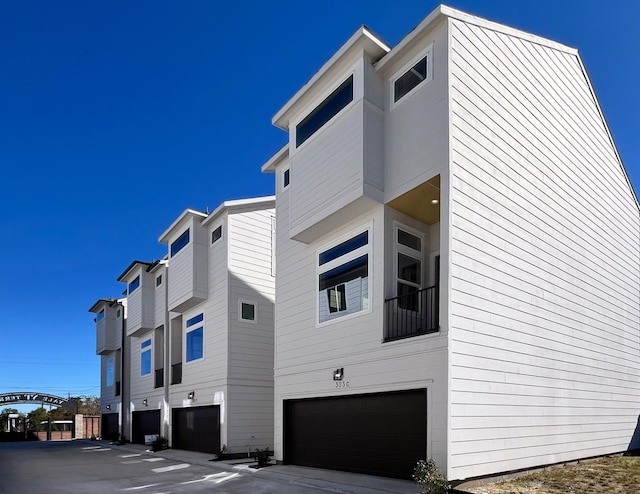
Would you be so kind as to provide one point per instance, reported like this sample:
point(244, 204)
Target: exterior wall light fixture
point(338, 374)
point(191, 395)
point(145, 402)
point(108, 407)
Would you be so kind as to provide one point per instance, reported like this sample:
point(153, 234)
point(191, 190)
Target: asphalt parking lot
point(98, 467)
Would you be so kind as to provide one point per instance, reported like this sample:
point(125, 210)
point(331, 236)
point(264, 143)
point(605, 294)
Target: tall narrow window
point(409, 274)
point(343, 278)
point(100, 316)
point(325, 111)
point(145, 357)
point(194, 336)
point(286, 178)
point(110, 372)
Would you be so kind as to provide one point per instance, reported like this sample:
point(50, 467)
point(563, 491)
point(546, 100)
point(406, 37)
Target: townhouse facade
point(458, 266)
point(197, 340)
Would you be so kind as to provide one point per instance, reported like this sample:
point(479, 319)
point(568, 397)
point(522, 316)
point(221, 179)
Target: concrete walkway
point(330, 480)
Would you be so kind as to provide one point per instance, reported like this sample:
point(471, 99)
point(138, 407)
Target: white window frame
point(408, 251)
point(316, 103)
point(428, 53)
point(187, 330)
point(145, 349)
point(255, 311)
point(334, 263)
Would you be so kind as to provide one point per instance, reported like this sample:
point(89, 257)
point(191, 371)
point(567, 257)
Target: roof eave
point(256, 202)
point(187, 212)
point(362, 38)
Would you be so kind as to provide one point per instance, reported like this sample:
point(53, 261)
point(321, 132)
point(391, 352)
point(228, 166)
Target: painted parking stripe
point(179, 466)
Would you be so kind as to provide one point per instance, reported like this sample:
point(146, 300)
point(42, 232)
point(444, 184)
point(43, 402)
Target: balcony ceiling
point(418, 202)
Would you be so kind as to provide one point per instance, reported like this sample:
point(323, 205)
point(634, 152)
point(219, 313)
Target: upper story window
point(286, 178)
point(194, 338)
point(159, 280)
point(411, 77)
point(133, 285)
point(247, 311)
point(325, 111)
point(110, 372)
point(181, 242)
point(100, 316)
point(145, 357)
point(343, 278)
point(216, 234)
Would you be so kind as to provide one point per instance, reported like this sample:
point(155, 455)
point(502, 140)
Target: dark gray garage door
point(197, 429)
point(377, 434)
point(110, 429)
point(143, 423)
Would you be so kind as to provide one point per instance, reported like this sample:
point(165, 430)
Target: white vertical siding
point(250, 344)
point(188, 281)
point(544, 262)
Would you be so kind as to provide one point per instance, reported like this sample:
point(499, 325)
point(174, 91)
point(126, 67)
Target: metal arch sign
point(41, 398)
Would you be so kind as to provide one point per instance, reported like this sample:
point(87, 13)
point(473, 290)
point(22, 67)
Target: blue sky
point(115, 116)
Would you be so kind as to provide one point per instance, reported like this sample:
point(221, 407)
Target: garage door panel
point(379, 434)
point(197, 429)
point(145, 423)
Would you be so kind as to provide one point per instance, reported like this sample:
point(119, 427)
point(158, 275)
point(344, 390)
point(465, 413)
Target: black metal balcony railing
point(176, 373)
point(412, 314)
point(159, 378)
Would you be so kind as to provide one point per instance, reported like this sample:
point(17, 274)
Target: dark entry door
point(147, 422)
point(197, 429)
point(377, 434)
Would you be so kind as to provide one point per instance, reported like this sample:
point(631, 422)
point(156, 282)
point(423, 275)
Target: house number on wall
point(342, 384)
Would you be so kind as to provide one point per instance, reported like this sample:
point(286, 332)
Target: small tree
point(429, 478)
point(36, 417)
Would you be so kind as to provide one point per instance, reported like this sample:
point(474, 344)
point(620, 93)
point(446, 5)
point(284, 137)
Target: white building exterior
point(471, 162)
point(206, 381)
point(110, 319)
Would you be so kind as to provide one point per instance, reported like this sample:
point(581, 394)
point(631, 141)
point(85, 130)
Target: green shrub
point(427, 476)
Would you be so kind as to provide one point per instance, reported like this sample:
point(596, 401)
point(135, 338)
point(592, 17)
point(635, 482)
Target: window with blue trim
point(145, 357)
point(343, 278)
point(194, 338)
point(133, 285)
point(181, 242)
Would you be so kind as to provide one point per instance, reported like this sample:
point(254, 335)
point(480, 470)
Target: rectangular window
point(325, 111)
point(181, 242)
point(100, 316)
point(286, 178)
point(194, 339)
point(110, 372)
point(411, 77)
point(247, 311)
point(409, 257)
point(216, 234)
point(343, 278)
point(133, 285)
point(159, 280)
point(145, 358)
